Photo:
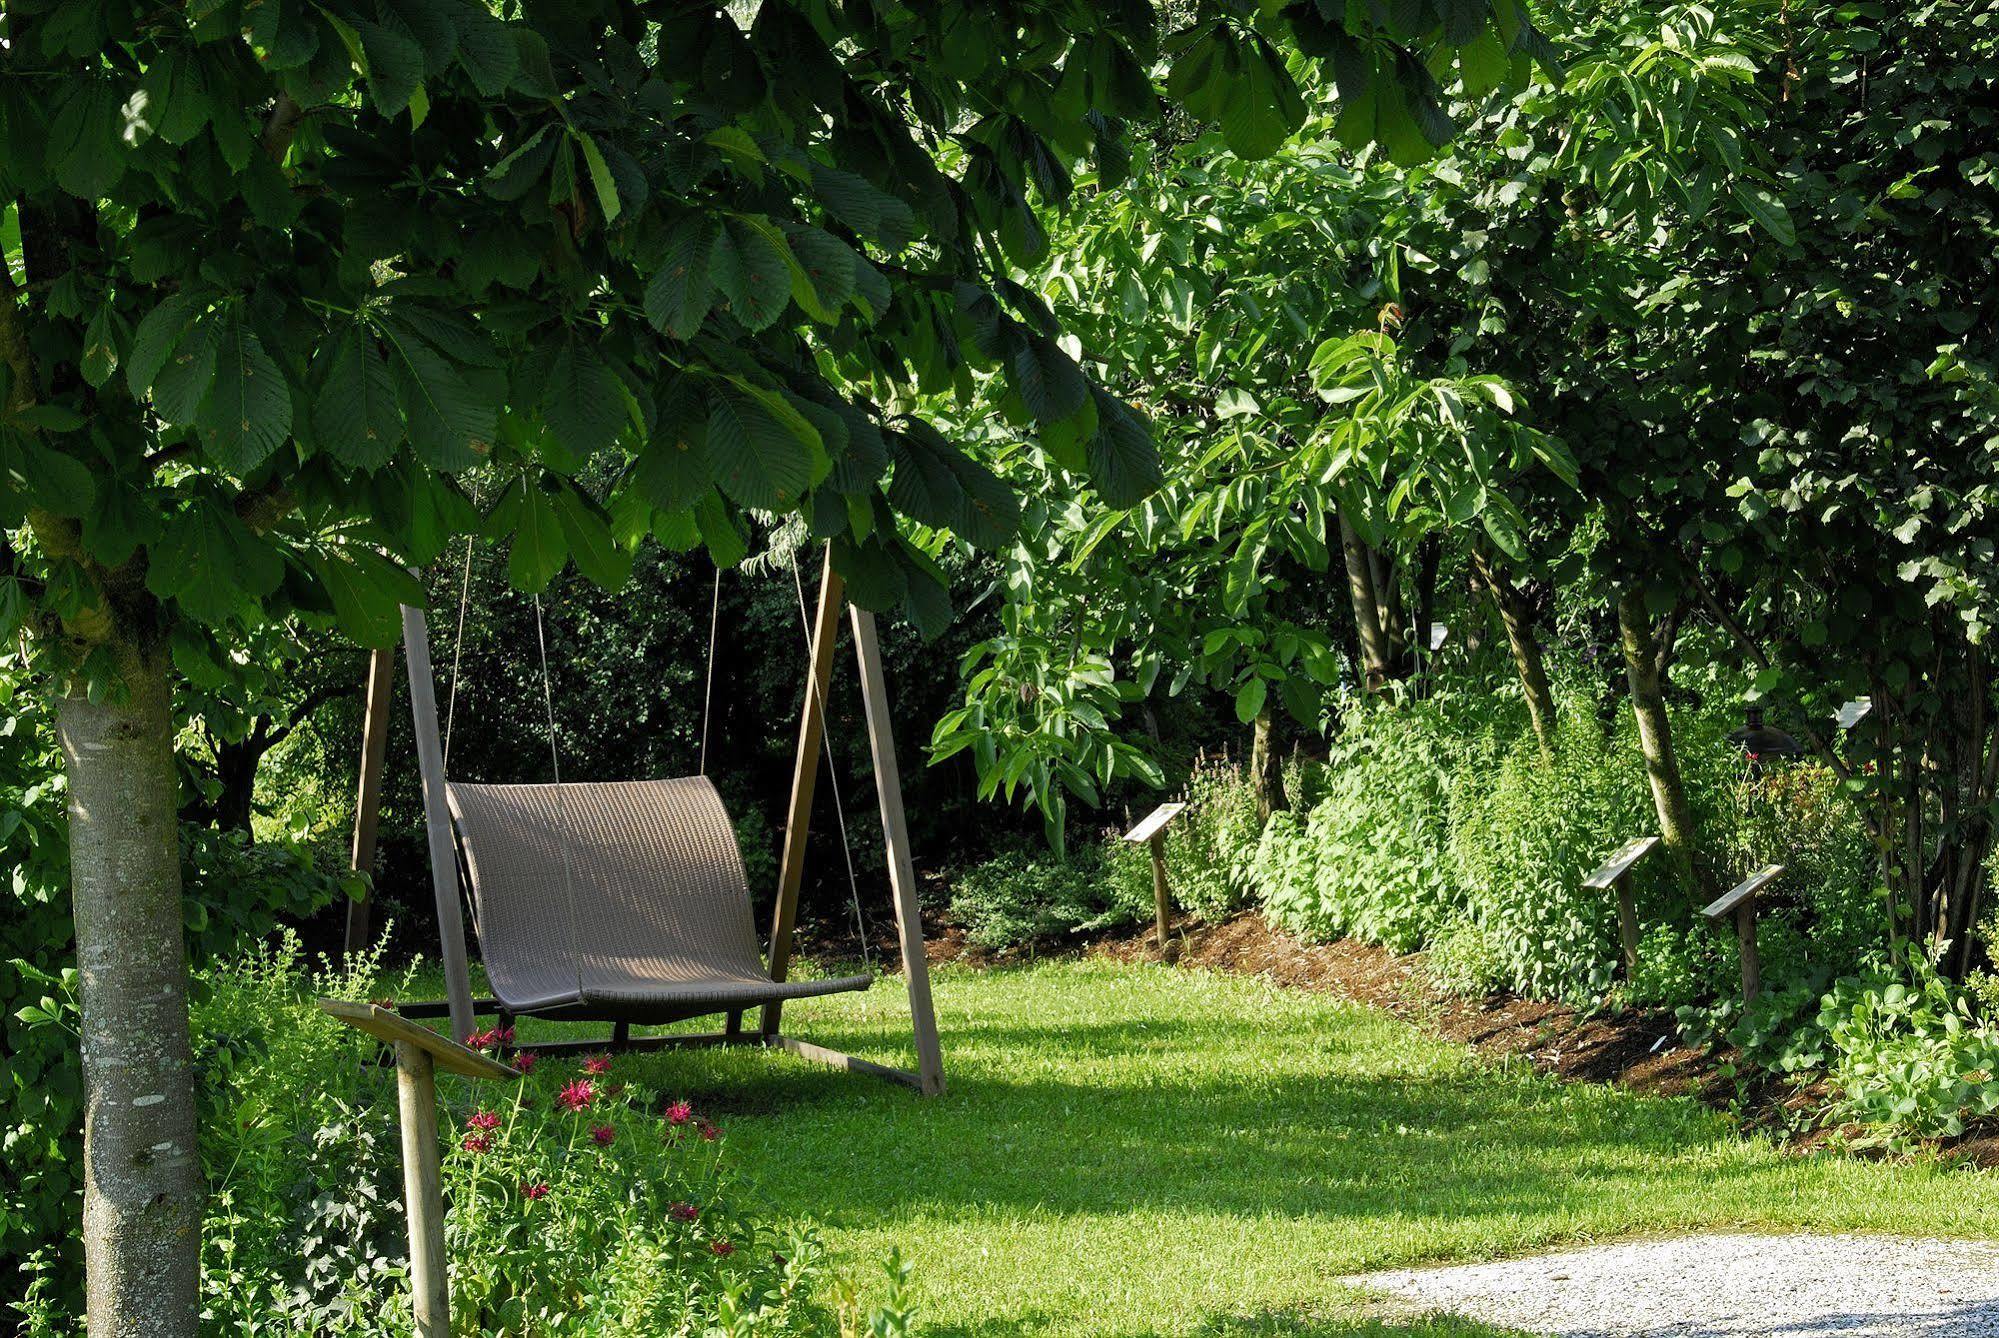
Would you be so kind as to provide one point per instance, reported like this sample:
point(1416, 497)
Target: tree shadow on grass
point(1313, 1138)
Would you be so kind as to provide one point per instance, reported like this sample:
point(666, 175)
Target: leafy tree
point(287, 270)
point(1294, 427)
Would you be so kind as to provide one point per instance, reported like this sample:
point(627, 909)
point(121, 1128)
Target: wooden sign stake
point(419, 1052)
point(1612, 875)
point(1741, 900)
point(1152, 831)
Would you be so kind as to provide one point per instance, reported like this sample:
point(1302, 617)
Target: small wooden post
point(368, 802)
point(1740, 901)
point(1613, 875)
point(1162, 898)
point(423, 1190)
point(1151, 832)
point(420, 1052)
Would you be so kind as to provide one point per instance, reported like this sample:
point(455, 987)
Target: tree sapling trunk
point(142, 1171)
point(1376, 661)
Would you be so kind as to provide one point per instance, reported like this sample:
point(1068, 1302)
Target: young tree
point(285, 270)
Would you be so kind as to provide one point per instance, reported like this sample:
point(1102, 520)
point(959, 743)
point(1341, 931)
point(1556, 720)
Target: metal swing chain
point(832, 770)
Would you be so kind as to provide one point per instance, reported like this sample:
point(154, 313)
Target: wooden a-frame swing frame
point(462, 1008)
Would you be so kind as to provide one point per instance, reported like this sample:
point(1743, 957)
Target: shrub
point(1524, 837)
point(1020, 899)
point(1377, 862)
point(1210, 848)
point(1909, 1059)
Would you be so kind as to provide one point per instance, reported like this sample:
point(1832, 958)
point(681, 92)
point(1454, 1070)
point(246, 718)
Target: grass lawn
point(1131, 1150)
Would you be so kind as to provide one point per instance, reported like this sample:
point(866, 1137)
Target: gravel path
point(1716, 1286)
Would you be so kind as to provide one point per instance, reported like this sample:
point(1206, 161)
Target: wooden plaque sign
point(1742, 891)
point(1153, 823)
point(1621, 861)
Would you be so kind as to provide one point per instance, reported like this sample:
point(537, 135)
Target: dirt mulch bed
point(1638, 1049)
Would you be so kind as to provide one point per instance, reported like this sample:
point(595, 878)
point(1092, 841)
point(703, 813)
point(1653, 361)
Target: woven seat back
point(583, 885)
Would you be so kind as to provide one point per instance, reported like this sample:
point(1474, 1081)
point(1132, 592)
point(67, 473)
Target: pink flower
point(526, 1060)
point(538, 1190)
point(485, 1122)
point(576, 1095)
point(683, 1212)
point(709, 1131)
point(477, 1142)
point(722, 1248)
point(602, 1135)
point(680, 1112)
point(597, 1065)
point(491, 1039)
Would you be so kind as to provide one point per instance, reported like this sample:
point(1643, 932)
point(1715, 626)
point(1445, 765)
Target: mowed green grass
point(1137, 1150)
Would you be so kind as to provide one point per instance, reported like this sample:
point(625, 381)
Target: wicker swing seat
point(621, 901)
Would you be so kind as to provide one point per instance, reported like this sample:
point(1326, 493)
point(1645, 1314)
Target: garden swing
point(625, 901)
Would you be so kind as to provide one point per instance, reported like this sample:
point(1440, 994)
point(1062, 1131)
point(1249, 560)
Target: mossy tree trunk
point(1266, 767)
point(1377, 664)
point(1516, 615)
point(1645, 668)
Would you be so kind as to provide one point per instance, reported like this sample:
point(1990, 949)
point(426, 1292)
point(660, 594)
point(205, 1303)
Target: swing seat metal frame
point(657, 926)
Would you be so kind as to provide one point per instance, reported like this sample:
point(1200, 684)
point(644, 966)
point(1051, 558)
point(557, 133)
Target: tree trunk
point(236, 769)
point(1516, 615)
point(1394, 616)
point(1375, 661)
point(141, 1165)
point(1643, 671)
point(1266, 768)
point(1429, 558)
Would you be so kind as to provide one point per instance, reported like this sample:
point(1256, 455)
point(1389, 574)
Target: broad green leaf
point(1767, 210)
point(248, 412)
point(367, 592)
point(682, 288)
point(1249, 699)
point(600, 177)
point(355, 415)
point(752, 270)
point(760, 460)
point(538, 549)
point(1047, 380)
point(184, 378)
point(587, 532)
point(451, 422)
point(1124, 464)
point(583, 402)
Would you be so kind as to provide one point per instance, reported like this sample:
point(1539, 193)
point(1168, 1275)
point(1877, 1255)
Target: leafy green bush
point(578, 1200)
point(1020, 899)
point(1910, 1059)
point(1210, 848)
point(1371, 858)
point(1524, 836)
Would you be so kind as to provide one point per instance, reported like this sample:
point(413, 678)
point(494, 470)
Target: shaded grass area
point(1128, 1150)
